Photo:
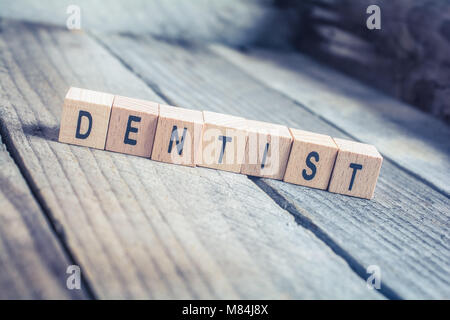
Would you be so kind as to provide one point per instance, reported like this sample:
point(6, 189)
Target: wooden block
point(223, 141)
point(311, 160)
point(85, 118)
point(356, 170)
point(132, 126)
point(267, 150)
point(178, 135)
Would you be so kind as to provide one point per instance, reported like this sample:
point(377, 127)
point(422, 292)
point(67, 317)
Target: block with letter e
point(223, 141)
point(356, 170)
point(85, 117)
point(267, 150)
point(132, 126)
point(178, 135)
point(311, 159)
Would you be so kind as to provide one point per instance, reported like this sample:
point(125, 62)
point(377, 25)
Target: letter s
point(310, 165)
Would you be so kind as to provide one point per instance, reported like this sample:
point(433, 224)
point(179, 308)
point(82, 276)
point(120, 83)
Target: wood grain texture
point(178, 136)
point(312, 159)
point(404, 229)
point(85, 118)
point(141, 228)
point(356, 169)
point(267, 150)
point(32, 262)
point(132, 126)
point(413, 140)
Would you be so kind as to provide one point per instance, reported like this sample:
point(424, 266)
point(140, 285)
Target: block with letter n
point(178, 134)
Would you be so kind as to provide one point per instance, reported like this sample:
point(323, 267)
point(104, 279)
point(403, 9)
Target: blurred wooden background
point(408, 58)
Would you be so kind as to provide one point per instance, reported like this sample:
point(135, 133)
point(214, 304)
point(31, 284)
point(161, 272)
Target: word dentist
point(218, 141)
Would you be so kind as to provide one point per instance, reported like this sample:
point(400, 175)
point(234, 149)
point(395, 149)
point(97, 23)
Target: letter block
point(85, 117)
point(178, 135)
point(356, 170)
point(267, 150)
point(223, 141)
point(132, 126)
point(311, 160)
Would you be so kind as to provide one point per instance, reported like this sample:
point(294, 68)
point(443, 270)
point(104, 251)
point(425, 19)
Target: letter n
point(179, 142)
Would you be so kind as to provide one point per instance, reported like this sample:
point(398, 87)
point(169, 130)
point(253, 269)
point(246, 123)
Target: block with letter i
point(223, 141)
point(356, 170)
point(178, 135)
point(267, 150)
point(311, 159)
point(85, 118)
point(132, 126)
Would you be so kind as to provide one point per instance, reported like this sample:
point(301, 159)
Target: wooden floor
point(143, 229)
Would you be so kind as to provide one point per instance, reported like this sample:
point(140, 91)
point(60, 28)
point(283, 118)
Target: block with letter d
point(311, 160)
point(223, 141)
point(85, 118)
point(178, 135)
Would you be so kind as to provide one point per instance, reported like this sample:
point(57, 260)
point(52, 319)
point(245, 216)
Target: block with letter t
point(223, 141)
point(85, 117)
point(178, 134)
point(356, 169)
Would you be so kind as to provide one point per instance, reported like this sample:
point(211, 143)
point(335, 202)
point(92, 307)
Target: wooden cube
point(132, 126)
point(178, 135)
point(223, 141)
point(85, 118)
point(311, 160)
point(267, 150)
point(356, 170)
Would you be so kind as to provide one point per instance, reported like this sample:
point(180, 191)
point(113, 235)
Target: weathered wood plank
point(142, 228)
point(404, 230)
point(415, 141)
point(32, 263)
point(233, 22)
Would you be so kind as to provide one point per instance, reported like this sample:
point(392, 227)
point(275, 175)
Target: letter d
point(78, 134)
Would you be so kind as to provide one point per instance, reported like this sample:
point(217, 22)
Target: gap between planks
point(377, 208)
point(300, 219)
point(293, 233)
point(55, 227)
point(255, 64)
point(37, 258)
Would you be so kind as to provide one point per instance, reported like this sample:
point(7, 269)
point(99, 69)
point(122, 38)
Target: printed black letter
point(355, 168)
point(78, 134)
point(311, 165)
point(127, 140)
